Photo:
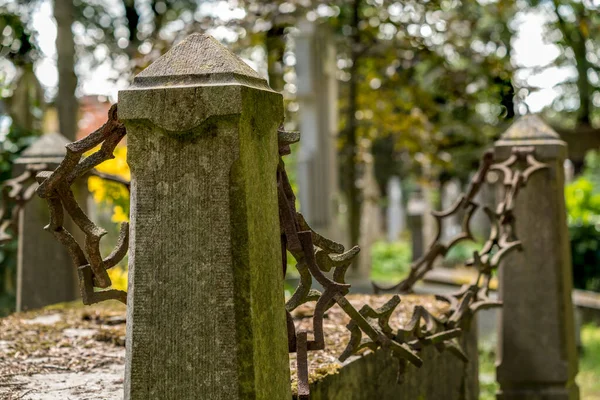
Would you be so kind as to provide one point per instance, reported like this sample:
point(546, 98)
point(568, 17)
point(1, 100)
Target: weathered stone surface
point(205, 308)
point(72, 351)
point(537, 354)
point(317, 98)
point(415, 210)
point(442, 376)
point(45, 272)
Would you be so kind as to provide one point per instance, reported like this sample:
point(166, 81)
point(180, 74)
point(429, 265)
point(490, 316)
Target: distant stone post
point(45, 272)
point(415, 210)
point(395, 209)
point(317, 97)
point(537, 355)
point(205, 316)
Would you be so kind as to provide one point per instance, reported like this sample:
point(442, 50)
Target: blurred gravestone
point(451, 191)
point(45, 272)
point(317, 98)
point(486, 197)
point(395, 209)
point(569, 171)
point(371, 221)
point(537, 357)
point(415, 209)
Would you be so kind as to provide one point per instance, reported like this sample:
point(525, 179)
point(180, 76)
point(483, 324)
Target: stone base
point(442, 376)
point(540, 393)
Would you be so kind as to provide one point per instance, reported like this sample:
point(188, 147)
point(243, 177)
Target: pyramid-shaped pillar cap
point(198, 60)
point(529, 127)
point(48, 148)
point(197, 79)
point(531, 130)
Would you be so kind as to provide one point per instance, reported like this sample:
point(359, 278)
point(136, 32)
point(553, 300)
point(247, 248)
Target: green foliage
point(572, 26)
point(460, 253)
point(390, 261)
point(436, 77)
point(582, 198)
point(18, 44)
point(8, 267)
point(20, 108)
point(487, 370)
point(589, 364)
point(14, 142)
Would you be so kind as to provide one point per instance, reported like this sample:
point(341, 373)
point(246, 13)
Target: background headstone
point(45, 273)
point(537, 356)
point(451, 190)
point(371, 219)
point(486, 197)
point(396, 218)
point(415, 209)
point(569, 171)
point(317, 97)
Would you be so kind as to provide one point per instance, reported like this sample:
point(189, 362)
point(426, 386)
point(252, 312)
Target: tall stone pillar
point(415, 210)
point(450, 192)
point(45, 272)
point(537, 356)
point(371, 221)
point(318, 118)
point(395, 210)
point(205, 316)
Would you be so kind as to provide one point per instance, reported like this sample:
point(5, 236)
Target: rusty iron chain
point(16, 192)
point(55, 188)
point(314, 254)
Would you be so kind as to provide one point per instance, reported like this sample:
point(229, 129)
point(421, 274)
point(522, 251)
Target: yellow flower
point(118, 276)
point(112, 193)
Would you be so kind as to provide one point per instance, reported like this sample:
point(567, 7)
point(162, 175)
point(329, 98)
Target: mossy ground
point(85, 340)
point(325, 362)
point(589, 363)
point(27, 348)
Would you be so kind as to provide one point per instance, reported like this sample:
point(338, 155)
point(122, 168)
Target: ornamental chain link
point(314, 254)
point(55, 188)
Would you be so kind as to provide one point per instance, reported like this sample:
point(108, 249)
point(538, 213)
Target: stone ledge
point(73, 351)
point(374, 375)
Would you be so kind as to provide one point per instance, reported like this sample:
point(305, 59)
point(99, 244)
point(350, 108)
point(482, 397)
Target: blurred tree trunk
point(583, 84)
point(350, 149)
point(575, 36)
point(133, 20)
point(66, 102)
point(275, 43)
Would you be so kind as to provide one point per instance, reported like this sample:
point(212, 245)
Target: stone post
point(45, 272)
point(537, 356)
point(317, 97)
point(205, 313)
point(395, 209)
point(415, 209)
point(371, 221)
point(450, 192)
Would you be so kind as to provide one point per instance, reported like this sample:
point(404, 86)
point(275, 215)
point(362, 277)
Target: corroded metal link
point(110, 178)
point(315, 254)
point(16, 192)
point(55, 188)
